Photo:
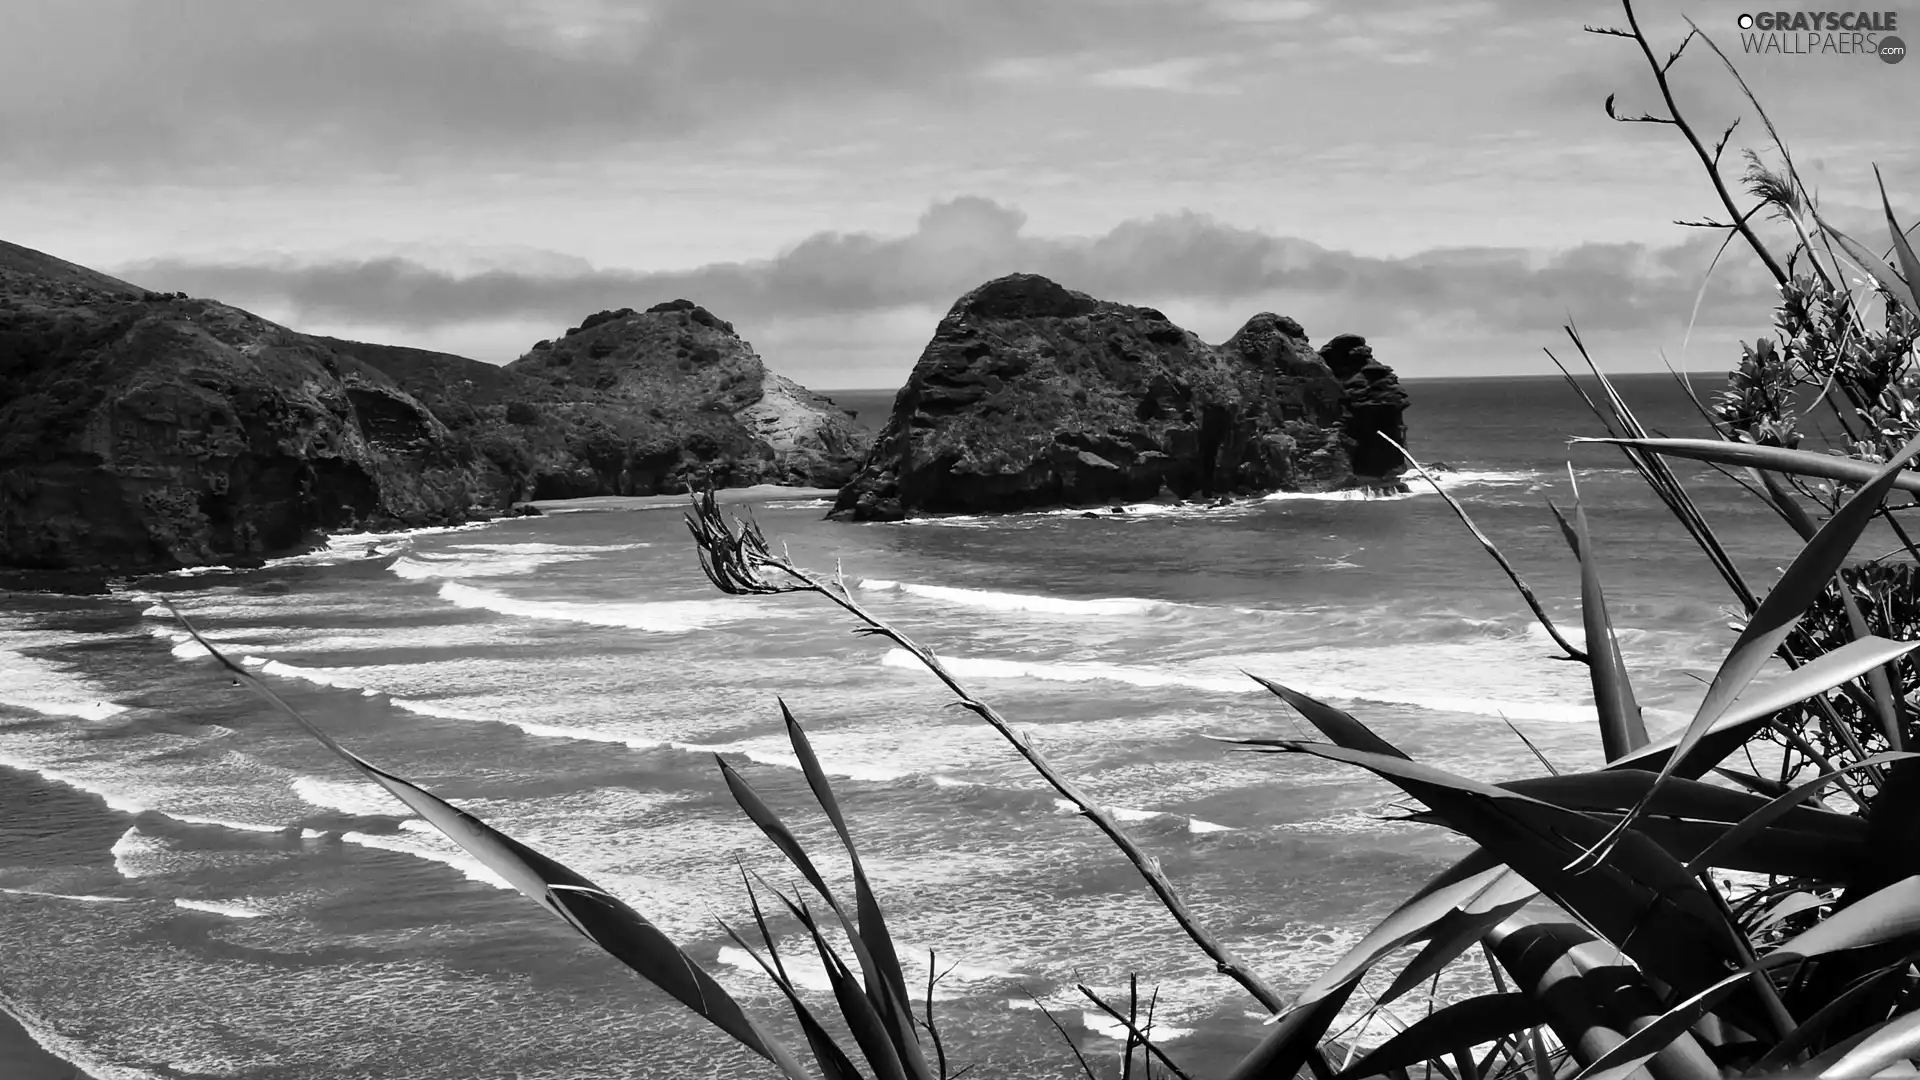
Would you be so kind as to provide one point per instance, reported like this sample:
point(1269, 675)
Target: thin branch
point(1513, 575)
point(1133, 1033)
point(1678, 120)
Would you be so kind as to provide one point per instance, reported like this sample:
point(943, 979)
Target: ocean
point(191, 887)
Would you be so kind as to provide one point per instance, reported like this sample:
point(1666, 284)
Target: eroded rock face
point(1032, 395)
point(146, 431)
point(632, 403)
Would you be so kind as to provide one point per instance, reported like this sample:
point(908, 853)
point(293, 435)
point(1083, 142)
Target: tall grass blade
point(1751, 826)
point(834, 1062)
point(1813, 1028)
point(1622, 730)
point(1864, 257)
point(1456, 932)
point(1641, 899)
point(1413, 920)
point(869, 1030)
point(1617, 789)
point(1339, 726)
point(1892, 1043)
point(1886, 915)
point(1463, 1024)
point(1796, 591)
point(1641, 1046)
point(1293, 1041)
point(1903, 251)
point(1878, 679)
point(1756, 705)
point(889, 989)
point(1775, 458)
point(894, 1016)
point(596, 914)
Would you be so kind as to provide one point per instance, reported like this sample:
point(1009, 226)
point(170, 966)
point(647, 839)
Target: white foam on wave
point(137, 855)
point(764, 752)
point(658, 616)
point(70, 896)
point(1509, 677)
point(1127, 813)
point(543, 731)
point(222, 823)
point(531, 548)
point(420, 566)
point(348, 547)
point(356, 798)
point(979, 667)
point(215, 907)
point(115, 800)
point(1019, 602)
point(49, 689)
point(1099, 1023)
point(802, 964)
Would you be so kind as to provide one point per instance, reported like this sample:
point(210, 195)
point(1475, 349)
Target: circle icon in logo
point(1746, 22)
point(1892, 50)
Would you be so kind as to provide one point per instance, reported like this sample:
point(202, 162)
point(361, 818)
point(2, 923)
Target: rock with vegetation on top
point(1031, 395)
point(146, 431)
point(632, 403)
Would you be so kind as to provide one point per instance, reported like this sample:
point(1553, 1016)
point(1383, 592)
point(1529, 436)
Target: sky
point(476, 175)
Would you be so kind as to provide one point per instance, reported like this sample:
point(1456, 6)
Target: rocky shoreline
point(144, 432)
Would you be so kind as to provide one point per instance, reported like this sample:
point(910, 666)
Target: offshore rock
point(1031, 395)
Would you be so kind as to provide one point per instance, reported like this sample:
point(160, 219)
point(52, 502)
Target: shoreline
point(22, 1057)
point(101, 582)
point(724, 496)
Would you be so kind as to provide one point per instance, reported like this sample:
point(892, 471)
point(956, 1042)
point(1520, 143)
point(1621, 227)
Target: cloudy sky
point(474, 175)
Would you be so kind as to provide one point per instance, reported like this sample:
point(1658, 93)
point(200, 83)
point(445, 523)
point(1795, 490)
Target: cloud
point(370, 82)
point(960, 243)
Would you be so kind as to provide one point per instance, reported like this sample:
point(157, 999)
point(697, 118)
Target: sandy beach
point(726, 496)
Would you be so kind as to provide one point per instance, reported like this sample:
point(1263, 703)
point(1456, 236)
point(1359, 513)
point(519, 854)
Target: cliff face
point(631, 403)
point(144, 431)
point(1031, 395)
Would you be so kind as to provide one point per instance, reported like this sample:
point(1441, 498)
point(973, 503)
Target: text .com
point(1823, 33)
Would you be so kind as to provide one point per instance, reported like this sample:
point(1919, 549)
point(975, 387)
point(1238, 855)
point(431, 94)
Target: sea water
point(192, 887)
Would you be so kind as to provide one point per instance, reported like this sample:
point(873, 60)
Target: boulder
point(1032, 395)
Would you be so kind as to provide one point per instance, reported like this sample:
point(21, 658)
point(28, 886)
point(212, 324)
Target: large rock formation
point(146, 431)
point(631, 403)
point(143, 431)
point(1031, 395)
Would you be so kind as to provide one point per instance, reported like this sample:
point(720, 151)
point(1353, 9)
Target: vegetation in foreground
point(1643, 961)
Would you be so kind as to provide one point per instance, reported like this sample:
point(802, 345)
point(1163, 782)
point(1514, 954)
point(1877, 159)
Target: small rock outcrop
point(1031, 395)
point(144, 431)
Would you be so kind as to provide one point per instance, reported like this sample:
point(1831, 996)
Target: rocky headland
point(1031, 395)
point(144, 431)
